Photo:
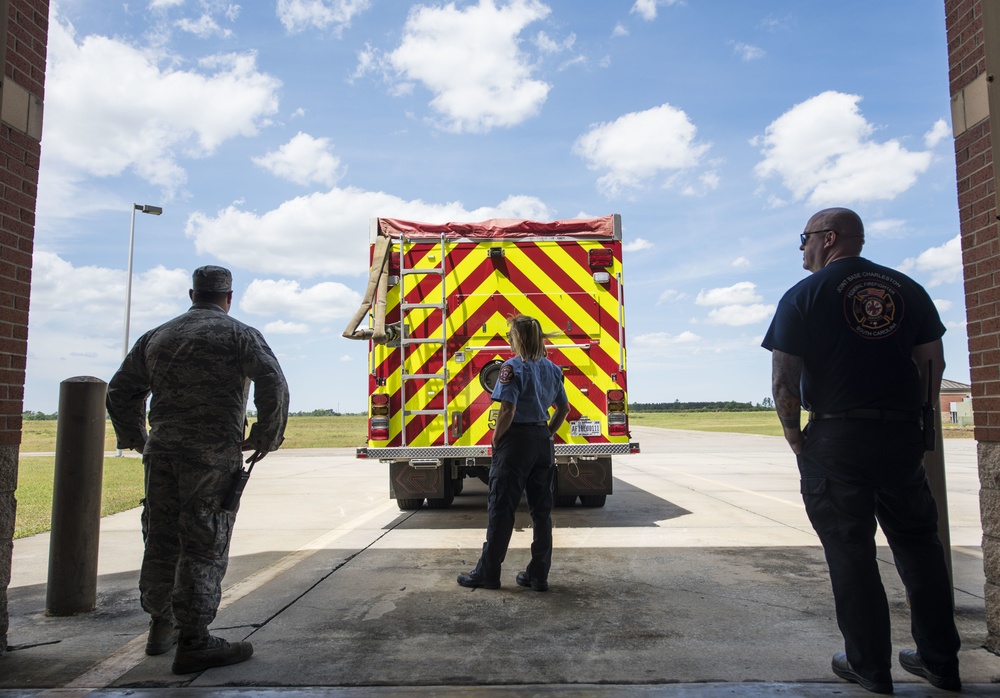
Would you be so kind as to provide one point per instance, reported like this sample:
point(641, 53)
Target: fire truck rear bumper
point(448, 452)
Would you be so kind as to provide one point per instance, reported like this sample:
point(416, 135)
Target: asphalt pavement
point(700, 577)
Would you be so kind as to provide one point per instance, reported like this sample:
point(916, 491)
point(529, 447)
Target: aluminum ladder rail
point(405, 340)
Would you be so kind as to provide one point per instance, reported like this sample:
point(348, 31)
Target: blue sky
point(271, 132)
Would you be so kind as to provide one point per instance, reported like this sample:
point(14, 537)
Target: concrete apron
point(700, 574)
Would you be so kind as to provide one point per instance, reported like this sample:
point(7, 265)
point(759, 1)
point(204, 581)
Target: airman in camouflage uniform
point(198, 368)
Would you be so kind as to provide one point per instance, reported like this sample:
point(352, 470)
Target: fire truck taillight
point(380, 405)
point(394, 263)
point(379, 430)
point(617, 418)
point(601, 257)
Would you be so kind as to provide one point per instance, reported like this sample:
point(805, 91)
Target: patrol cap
point(212, 279)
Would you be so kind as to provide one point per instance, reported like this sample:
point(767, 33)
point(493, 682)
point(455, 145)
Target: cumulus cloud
point(939, 131)
point(741, 263)
point(886, 227)
point(112, 107)
point(203, 27)
point(284, 327)
point(662, 339)
point(647, 8)
point(639, 146)
point(299, 15)
point(471, 60)
point(326, 232)
point(823, 151)
point(638, 245)
point(739, 315)
point(738, 293)
point(943, 264)
point(320, 303)
point(746, 52)
point(303, 160)
point(943, 305)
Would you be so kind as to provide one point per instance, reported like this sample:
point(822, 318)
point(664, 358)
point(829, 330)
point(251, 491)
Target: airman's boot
point(200, 652)
point(162, 635)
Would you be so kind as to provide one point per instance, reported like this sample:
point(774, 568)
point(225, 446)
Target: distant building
point(956, 402)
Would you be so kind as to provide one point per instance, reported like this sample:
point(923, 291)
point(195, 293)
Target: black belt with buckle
point(870, 414)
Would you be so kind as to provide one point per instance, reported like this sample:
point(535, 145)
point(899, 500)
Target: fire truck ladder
point(405, 340)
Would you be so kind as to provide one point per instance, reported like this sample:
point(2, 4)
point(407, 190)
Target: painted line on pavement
point(133, 653)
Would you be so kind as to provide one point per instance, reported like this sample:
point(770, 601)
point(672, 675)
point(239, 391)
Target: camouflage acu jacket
point(198, 368)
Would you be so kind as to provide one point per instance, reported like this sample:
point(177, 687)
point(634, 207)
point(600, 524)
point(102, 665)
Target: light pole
point(155, 211)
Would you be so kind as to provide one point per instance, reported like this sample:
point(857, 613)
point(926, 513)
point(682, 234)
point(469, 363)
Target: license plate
point(585, 427)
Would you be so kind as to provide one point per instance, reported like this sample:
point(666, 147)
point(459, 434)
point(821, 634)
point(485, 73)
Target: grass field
point(122, 483)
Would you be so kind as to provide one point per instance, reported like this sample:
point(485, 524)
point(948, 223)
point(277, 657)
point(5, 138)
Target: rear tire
point(593, 501)
point(444, 503)
point(407, 504)
point(565, 500)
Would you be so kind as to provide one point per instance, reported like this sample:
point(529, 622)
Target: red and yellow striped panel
point(550, 280)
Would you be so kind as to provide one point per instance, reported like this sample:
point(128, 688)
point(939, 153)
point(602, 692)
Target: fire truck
point(437, 304)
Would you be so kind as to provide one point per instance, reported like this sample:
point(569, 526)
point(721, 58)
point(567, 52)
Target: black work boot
point(201, 652)
point(162, 635)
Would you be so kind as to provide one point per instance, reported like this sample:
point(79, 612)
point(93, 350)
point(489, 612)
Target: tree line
point(765, 405)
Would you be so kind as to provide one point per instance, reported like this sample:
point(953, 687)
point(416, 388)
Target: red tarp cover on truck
point(500, 228)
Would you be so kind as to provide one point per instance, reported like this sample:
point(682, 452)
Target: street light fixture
point(152, 210)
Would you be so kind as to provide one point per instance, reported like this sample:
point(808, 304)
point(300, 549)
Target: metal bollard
point(76, 497)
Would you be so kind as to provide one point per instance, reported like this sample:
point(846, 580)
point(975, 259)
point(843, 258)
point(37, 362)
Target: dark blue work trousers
point(857, 472)
point(523, 462)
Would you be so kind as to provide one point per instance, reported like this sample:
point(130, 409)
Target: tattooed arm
point(786, 372)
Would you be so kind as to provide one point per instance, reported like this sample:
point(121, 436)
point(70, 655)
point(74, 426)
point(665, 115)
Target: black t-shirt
point(855, 323)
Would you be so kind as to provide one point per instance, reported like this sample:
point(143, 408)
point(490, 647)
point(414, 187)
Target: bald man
point(856, 344)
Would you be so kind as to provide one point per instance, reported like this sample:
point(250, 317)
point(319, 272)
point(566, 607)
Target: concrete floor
point(701, 576)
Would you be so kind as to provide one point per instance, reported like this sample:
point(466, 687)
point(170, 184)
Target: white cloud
point(886, 227)
point(326, 232)
point(547, 44)
point(746, 52)
point(619, 30)
point(939, 131)
point(470, 59)
point(298, 15)
point(742, 292)
point(739, 315)
point(638, 245)
point(303, 160)
point(670, 296)
point(741, 263)
point(283, 327)
point(159, 4)
point(203, 27)
point(647, 8)
point(662, 339)
point(942, 305)
point(823, 152)
point(943, 264)
point(110, 107)
point(639, 146)
point(320, 303)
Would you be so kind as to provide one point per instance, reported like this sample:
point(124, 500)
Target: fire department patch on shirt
point(506, 374)
point(873, 307)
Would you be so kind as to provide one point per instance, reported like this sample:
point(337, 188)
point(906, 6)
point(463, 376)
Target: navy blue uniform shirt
point(533, 387)
point(855, 323)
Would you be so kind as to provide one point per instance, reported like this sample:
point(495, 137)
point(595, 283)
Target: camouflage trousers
point(187, 536)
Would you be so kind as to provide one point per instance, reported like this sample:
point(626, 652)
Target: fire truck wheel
point(405, 504)
point(593, 500)
point(565, 500)
point(443, 503)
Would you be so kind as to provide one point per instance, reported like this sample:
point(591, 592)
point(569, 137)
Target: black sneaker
point(162, 635)
point(911, 661)
point(842, 668)
point(474, 580)
point(537, 584)
point(209, 652)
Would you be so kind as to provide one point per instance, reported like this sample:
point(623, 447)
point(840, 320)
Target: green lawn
point(122, 482)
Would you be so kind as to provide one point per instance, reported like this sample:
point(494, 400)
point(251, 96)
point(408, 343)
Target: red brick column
point(971, 91)
point(20, 134)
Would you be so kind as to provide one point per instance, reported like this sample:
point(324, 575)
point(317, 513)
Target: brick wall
point(970, 88)
point(20, 135)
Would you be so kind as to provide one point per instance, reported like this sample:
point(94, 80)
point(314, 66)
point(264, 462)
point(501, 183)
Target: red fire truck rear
point(437, 304)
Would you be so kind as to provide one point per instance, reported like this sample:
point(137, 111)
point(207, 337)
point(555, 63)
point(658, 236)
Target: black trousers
point(523, 462)
point(857, 472)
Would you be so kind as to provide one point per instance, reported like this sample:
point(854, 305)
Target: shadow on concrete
point(628, 507)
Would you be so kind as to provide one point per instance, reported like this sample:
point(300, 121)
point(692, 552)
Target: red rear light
point(618, 430)
point(378, 429)
point(394, 263)
point(601, 257)
point(380, 399)
point(616, 395)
